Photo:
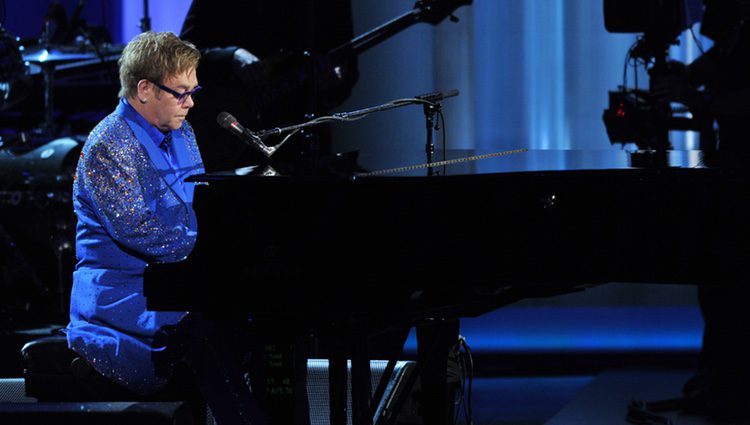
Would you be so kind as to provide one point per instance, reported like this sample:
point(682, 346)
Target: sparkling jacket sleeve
point(129, 195)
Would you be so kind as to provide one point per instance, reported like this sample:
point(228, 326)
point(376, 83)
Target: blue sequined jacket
point(133, 207)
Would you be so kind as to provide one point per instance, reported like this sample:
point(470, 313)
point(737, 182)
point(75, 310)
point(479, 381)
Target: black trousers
point(247, 372)
point(214, 353)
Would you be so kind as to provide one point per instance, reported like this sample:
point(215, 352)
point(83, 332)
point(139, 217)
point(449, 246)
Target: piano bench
point(54, 373)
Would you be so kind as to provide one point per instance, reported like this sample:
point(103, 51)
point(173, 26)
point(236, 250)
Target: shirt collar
point(156, 136)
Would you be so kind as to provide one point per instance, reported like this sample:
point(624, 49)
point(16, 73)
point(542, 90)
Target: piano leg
point(337, 378)
point(361, 383)
point(434, 342)
point(358, 345)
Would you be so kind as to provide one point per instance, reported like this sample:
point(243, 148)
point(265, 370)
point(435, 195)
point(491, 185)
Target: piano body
point(455, 240)
point(532, 219)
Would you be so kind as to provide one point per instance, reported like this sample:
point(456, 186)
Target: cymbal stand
point(48, 72)
point(47, 61)
point(48, 126)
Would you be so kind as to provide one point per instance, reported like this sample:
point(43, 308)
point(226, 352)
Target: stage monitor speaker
point(96, 413)
point(317, 388)
point(15, 407)
point(12, 391)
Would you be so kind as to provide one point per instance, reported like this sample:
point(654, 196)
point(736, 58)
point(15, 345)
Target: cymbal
point(55, 56)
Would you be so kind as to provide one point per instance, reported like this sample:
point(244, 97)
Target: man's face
point(168, 112)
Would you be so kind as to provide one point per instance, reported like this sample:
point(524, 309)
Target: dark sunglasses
point(181, 97)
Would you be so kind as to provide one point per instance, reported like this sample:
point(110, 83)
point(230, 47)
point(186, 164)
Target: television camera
point(635, 115)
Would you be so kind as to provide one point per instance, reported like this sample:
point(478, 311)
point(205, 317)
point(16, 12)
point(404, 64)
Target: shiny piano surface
point(459, 238)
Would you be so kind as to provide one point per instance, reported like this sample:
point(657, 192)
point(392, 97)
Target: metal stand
point(145, 21)
point(48, 59)
point(430, 110)
point(48, 126)
point(429, 101)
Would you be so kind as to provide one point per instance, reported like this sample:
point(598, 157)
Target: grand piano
point(377, 241)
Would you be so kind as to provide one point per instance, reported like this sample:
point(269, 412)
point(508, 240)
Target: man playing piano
point(134, 208)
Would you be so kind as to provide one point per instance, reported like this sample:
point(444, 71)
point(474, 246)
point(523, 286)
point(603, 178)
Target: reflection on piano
point(403, 248)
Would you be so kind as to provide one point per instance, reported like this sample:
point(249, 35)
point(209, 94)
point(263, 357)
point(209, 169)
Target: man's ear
point(145, 90)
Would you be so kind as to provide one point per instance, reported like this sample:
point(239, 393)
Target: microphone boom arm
point(429, 99)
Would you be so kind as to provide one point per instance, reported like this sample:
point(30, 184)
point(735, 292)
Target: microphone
point(437, 96)
point(230, 123)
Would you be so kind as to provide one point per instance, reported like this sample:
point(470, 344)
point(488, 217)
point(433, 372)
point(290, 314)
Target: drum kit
point(40, 142)
point(14, 80)
point(39, 146)
point(20, 66)
point(47, 59)
point(68, 55)
point(37, 158)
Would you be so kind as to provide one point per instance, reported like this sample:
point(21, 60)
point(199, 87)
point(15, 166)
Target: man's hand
point(249, 69)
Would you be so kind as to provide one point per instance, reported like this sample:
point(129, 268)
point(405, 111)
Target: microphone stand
point(429, 101)
point(145, 21)
point(430, 110)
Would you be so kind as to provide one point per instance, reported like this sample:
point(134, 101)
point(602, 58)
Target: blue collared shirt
point(156, 136)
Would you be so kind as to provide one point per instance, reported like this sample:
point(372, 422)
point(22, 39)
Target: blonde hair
point(154, 56)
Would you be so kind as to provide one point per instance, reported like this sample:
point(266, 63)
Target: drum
point(37, 230)
point(15, 82)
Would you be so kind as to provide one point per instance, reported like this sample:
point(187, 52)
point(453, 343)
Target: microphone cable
point(639, 414)
point(461, 354)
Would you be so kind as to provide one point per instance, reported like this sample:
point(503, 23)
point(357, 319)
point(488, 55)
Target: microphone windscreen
point(225, 120)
